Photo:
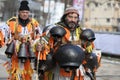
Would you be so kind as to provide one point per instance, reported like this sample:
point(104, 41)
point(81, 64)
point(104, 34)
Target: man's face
point(24, 14)
point(72, 17)
point(72, 20)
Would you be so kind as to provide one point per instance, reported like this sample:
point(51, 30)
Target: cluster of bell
point(25, 51)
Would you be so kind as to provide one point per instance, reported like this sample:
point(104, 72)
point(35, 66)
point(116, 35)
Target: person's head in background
point(24, 10)
point(71, 18)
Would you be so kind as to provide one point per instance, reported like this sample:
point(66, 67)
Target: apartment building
point(102, 15)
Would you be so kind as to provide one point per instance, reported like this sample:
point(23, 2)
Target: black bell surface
point(69, 56)
point(10, 49)
point(22, 54)
point(57, 31)
point(47, 64)
point(91, 61)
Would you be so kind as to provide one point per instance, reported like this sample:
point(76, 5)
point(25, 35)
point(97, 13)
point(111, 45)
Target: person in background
point(19, 30)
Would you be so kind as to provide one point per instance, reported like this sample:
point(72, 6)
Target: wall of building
point(103, 14)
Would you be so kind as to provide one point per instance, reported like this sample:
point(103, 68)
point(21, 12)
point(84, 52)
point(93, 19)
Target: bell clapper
point(21, 65)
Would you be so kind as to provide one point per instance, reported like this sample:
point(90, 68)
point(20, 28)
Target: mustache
point(72, 24)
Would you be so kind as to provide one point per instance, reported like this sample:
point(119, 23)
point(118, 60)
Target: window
point(109, 4)
point(119, 5)
point(113, 4)
point(108, 20)
point(96, 4)
point(88, 5)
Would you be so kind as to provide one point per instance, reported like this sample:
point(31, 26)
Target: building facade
point(102, 15)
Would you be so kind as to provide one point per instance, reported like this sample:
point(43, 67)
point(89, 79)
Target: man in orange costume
point(20, 29)
point(70, 22)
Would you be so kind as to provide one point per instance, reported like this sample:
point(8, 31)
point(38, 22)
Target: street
point(3, 59)
point(109, 69)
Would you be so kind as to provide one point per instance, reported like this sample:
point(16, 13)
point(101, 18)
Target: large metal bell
point(10, 49)
point(31, 53)
point(22, 54)
point(47, 64)
point(91, 61)
point(69, 56)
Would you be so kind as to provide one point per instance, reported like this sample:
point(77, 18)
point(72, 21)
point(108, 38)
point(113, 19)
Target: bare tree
point(9, 9)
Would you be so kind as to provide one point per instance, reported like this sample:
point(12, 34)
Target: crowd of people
point(33, 50)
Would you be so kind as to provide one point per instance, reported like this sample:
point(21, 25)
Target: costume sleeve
point(4, 32)
point(37, 26)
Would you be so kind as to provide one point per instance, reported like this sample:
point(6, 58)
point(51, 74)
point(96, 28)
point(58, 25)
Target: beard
point(71, 25)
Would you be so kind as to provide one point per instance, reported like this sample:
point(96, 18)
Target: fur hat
point(24, 6)
point(71, 10)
